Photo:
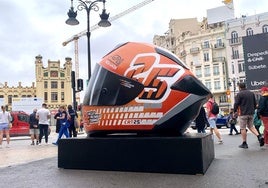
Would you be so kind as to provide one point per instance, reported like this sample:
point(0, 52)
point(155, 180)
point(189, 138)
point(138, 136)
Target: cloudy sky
point(33, 27)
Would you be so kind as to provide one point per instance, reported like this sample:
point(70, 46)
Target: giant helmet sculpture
point(141, 88)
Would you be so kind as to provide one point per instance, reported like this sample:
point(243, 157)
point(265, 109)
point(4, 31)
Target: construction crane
point(94, 27)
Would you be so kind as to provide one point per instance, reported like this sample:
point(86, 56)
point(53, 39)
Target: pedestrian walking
point(212, 119)
point(201, 121)
point(73, 116)
point(34, 129)
point(64, 124)
point(244, 107)
point(5, 122)
point(232, 120)
point(263, 112)
point(43, 115)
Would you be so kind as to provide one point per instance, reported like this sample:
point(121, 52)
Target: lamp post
point(233, 82)
point(88, 6)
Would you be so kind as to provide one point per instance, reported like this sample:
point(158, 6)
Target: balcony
point(235, 41)
point(194, 50)
point(218, 59)
point(205, 46)
point(219, 46)
point(238, 56)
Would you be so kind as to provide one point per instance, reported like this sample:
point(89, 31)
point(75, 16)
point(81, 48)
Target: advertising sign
point(256, 60)
point(26, 104)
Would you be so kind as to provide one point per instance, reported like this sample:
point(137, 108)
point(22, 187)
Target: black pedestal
point(188, 154)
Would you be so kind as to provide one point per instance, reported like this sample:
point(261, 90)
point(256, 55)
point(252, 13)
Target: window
point(45, 96)
point(62, 96)
point(206, 44)
point(62, 85)
point(208, 84)
point(216, 70)
point(206, 56)
point(235, 53)
point(241, 66)
point(234, 37)
point(45, 84)
point(198, 72)
point(217, 85)
point(23, 117)
point(54, 74)
point(196, 60)
point(54, 85)
point(9, 99)
point(219, 42)
point(265, 29)
point(249, 31)
point(233, 68)
point(207, 71)
point(54, 96)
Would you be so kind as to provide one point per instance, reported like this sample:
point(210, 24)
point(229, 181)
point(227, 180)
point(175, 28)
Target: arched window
point(234, 37)
point(249, 31)
point(265, 28)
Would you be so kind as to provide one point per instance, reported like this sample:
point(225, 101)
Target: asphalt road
point(26, 166)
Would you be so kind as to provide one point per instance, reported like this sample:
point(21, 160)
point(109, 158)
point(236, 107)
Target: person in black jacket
point(201, 121)
point(244, 106)
point(73, 115)
point(57, 121)
point(232, 120)
point(34, 129)
point(263, 111)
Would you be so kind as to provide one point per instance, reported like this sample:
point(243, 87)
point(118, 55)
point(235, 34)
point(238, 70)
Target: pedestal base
point(188, 154)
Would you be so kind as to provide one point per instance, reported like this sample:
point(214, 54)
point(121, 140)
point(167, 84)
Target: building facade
point(202, 47)
point(235, 30)
point(214, 52)
point(53, 85)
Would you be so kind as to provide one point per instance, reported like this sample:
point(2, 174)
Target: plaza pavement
point(24, 166)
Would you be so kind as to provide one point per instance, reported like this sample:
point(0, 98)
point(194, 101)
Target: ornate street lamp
point(88, 6)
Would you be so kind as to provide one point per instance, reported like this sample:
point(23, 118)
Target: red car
point(20, 123)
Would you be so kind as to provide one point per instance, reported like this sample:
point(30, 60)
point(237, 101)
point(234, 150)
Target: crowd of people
point(39, 121)
point(247, 112)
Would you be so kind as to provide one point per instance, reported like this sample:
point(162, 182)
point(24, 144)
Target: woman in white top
point(5, 119)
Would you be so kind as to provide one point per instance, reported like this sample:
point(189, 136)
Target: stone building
point(214, 51)
point(53, 85)
point(202, 47)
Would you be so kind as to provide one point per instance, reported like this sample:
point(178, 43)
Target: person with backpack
point(212, 112)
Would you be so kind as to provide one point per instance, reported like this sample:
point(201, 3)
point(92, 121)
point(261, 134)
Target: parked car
point(222, 121)
point(20, 123)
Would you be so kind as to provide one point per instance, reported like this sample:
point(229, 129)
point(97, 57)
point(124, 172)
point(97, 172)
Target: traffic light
point(80, 84)
point(73, 79)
